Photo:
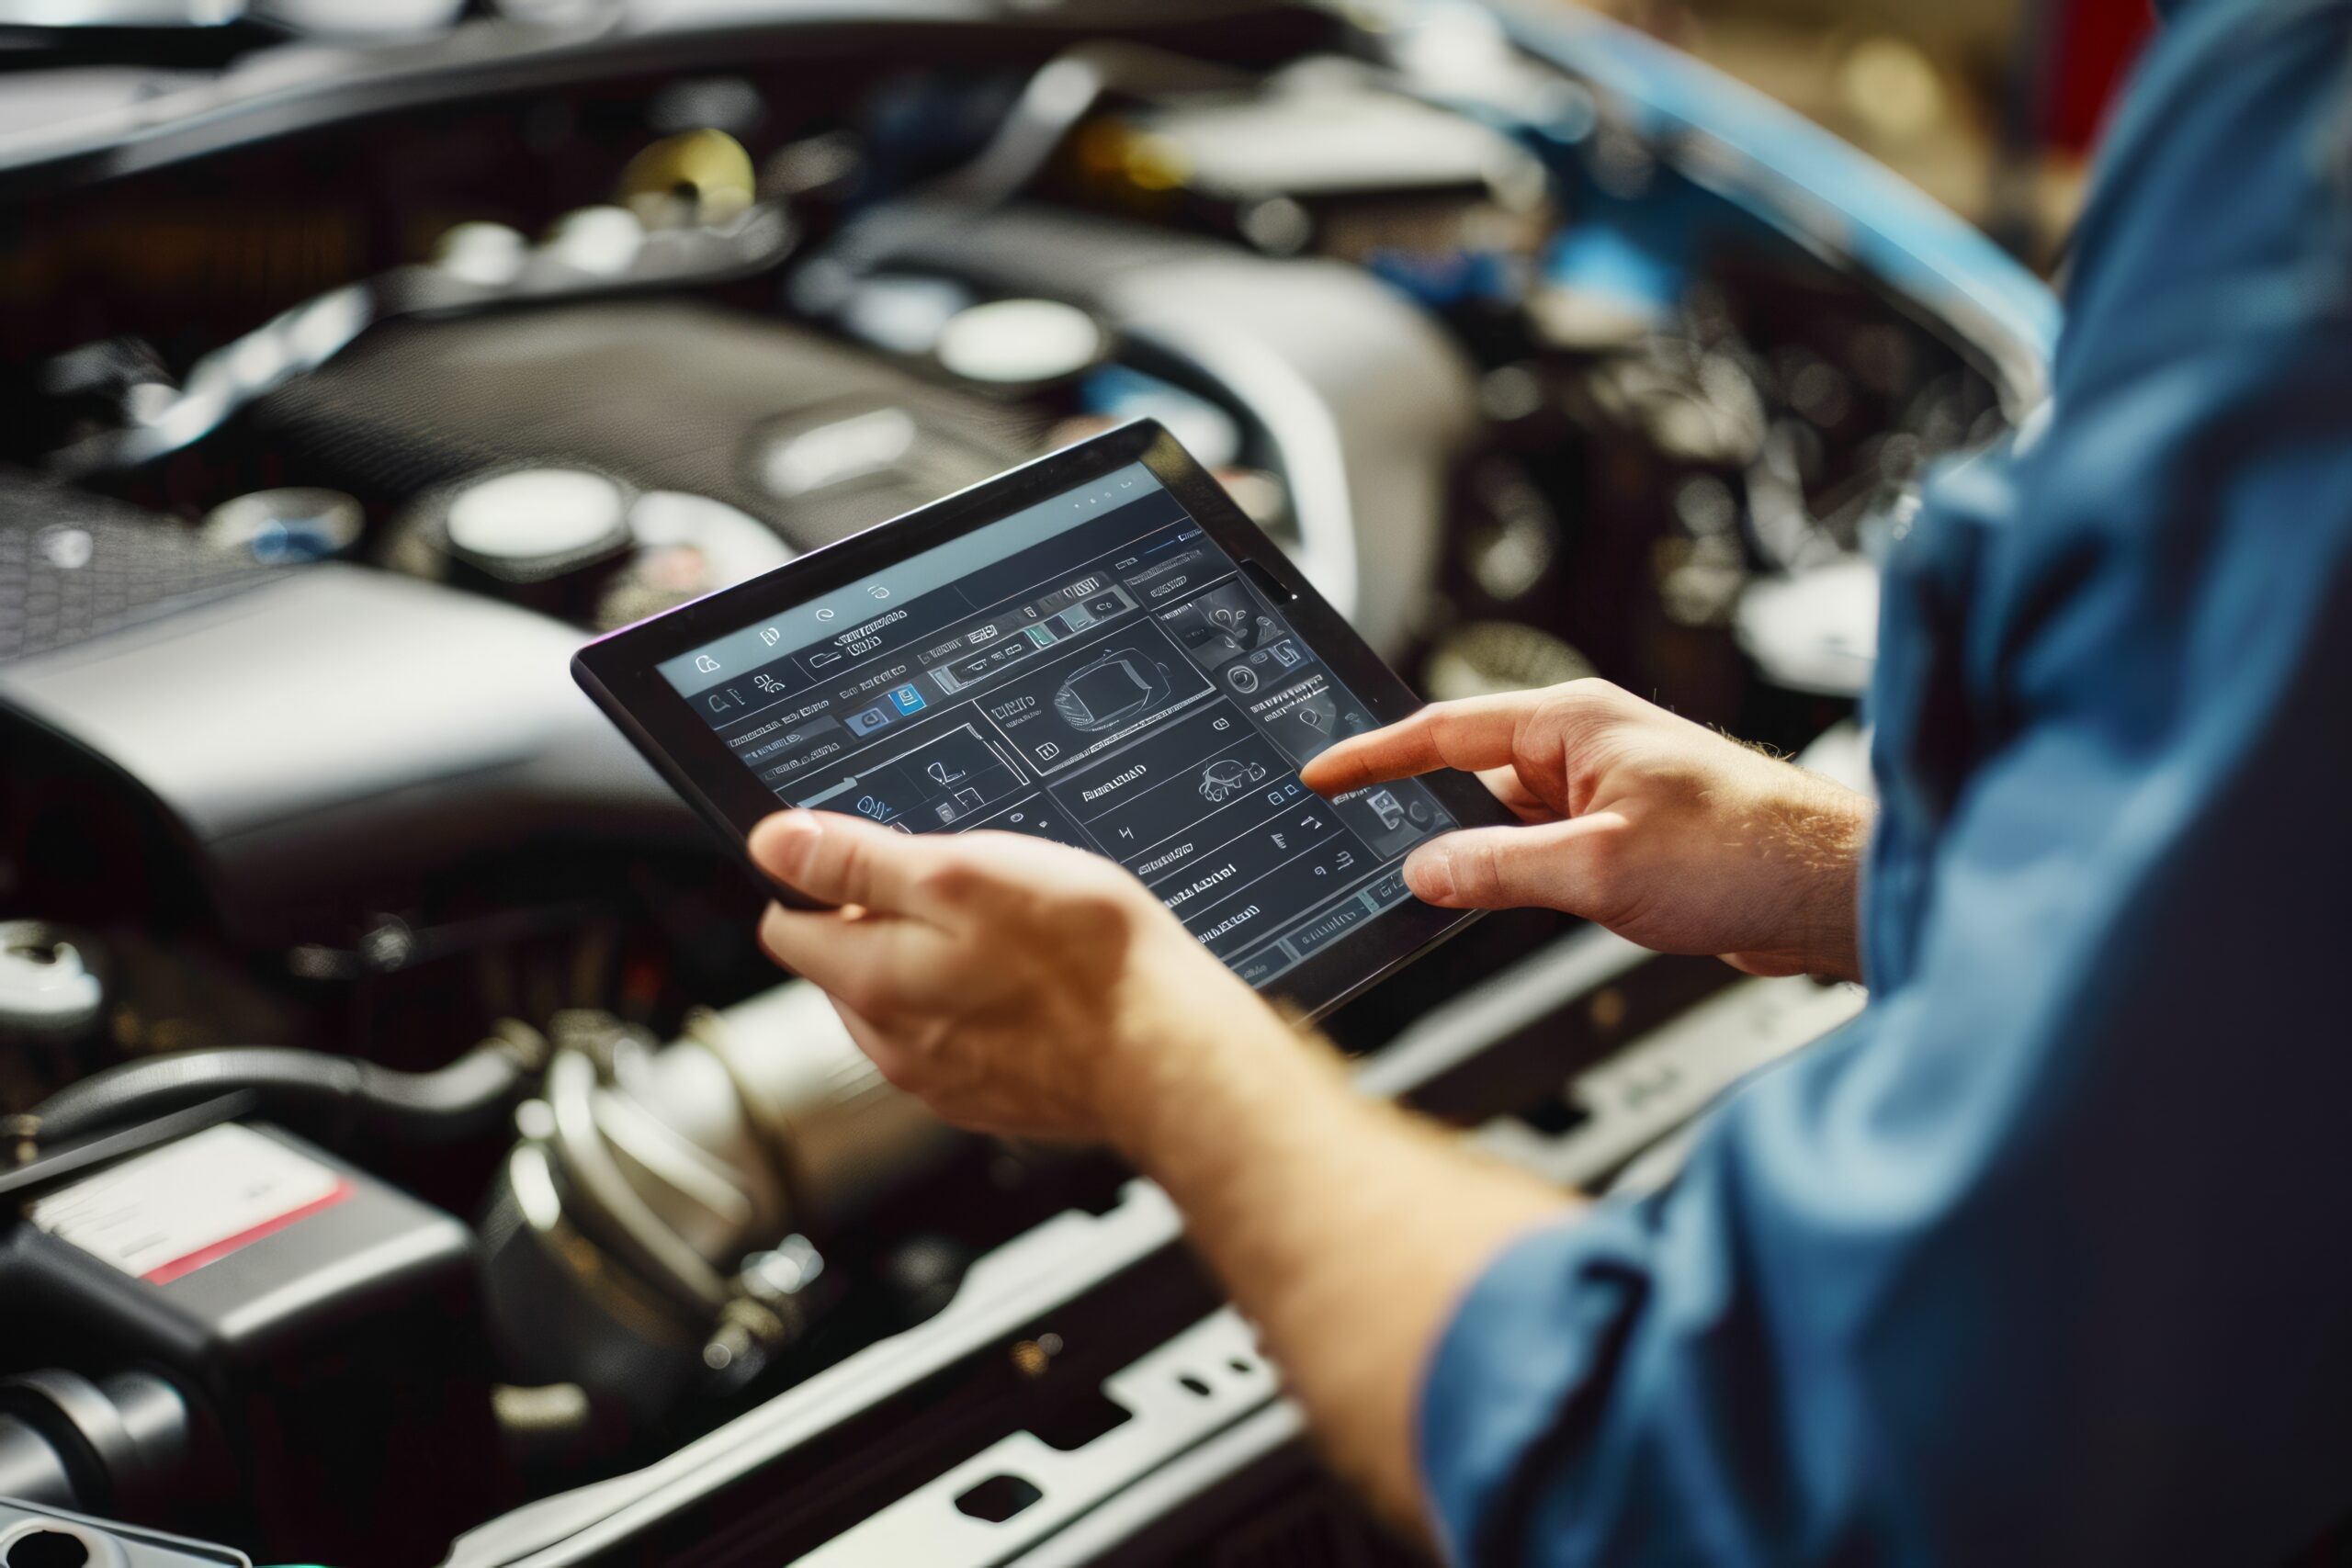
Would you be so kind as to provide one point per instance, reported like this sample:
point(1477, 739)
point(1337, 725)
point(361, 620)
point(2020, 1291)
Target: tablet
point(1098, 649)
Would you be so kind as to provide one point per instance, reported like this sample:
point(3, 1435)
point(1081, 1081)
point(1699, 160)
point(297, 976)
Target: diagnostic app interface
point(1092, 669)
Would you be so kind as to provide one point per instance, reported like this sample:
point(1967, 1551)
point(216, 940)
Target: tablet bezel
point(620, 670)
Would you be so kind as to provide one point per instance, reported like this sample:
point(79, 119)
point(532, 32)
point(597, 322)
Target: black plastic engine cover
point(666, 395)
point(313, 734)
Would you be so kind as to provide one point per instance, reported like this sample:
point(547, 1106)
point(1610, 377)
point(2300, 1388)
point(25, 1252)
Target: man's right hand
point(1668, 833)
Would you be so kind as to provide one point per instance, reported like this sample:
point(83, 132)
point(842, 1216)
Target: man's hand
point(1019, 987)
point(1667, 833)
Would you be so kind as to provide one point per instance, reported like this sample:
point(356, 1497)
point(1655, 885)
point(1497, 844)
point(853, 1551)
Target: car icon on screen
point(1228, 776)
point(1114, 688)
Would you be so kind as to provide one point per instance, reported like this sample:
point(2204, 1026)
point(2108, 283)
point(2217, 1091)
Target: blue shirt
point(2047, 1258)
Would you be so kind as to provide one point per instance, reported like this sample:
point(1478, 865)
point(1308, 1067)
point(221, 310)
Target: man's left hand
point(1016, 986)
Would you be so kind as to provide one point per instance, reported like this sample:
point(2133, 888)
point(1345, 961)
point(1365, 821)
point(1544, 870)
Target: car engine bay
point(409, 1156)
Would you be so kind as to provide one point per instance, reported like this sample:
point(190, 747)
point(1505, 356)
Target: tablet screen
point(1092, 669)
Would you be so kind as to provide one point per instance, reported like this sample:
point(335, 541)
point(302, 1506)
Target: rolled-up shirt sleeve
point(2045, 1257)
point(1540, 1327)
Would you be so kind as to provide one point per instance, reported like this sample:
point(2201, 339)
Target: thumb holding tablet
point(849, 866)
point(1016, 986)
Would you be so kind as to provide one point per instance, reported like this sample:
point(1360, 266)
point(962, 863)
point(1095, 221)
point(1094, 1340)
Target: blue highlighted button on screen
point(908, 699)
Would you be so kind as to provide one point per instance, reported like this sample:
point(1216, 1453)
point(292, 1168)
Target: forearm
point(1814, 834)
point(1344, 1228)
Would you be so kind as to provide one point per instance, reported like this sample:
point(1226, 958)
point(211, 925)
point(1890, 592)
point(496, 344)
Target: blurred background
point(406, 1154)
point(1991, 107)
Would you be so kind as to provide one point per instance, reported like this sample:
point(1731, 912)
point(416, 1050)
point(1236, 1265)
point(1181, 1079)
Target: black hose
point(471, 1096)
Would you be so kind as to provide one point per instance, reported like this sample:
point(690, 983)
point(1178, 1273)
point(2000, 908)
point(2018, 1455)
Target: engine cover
point(316, 730)
point(667, 395)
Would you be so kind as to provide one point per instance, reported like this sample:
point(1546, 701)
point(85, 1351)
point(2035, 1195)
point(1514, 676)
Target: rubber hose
point(471, 1096)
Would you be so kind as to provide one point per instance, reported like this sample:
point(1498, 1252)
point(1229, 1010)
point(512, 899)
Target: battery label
point(168, 1213)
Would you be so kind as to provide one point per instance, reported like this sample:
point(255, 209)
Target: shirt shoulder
point(2222, 201)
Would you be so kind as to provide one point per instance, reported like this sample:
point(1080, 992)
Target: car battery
point(322, 1322)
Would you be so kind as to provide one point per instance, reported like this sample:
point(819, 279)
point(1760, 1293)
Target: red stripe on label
point(163, 1274)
